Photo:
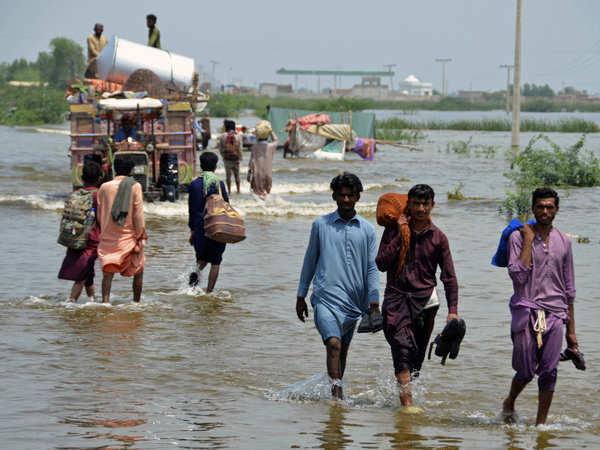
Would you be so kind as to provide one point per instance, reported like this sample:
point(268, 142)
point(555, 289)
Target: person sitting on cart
point(127, 130)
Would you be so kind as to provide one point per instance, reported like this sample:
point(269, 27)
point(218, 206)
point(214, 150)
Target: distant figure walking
point(260, 167)
point(540, 264)
point(340, 262)
point(123, 229)
point(207, 250)
point(78, 265)
point(230, 147)
point(205, 124)
point(95, 42)
point(153, 33)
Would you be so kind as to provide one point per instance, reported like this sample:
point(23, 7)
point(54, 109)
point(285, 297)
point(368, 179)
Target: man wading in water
point(341, 258)
point(540, 263)
point(410, 300)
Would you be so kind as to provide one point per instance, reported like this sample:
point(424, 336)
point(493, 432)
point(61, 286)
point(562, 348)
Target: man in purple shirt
point(410, 301)
point(540, 263)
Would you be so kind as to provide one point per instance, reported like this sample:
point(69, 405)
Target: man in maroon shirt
point(410, 300)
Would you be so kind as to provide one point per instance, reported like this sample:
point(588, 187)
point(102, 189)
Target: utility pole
point(389, 66)
point(443, 61)
point(339, 68)
point(507, 89)
point(212, 74)
point(516, 117)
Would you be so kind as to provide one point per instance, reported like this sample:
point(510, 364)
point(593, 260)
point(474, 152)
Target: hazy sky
point(252, 39)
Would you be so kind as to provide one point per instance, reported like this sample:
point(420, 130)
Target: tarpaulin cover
point(363, 123)
point(306, 142)
point(333, 131)
point(307, 121)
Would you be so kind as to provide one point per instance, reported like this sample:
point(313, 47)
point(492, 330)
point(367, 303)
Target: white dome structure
point(411, 85)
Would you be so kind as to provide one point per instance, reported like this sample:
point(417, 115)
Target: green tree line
point(40, 104)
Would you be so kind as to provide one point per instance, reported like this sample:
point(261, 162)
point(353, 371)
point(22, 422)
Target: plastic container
point(120, 58)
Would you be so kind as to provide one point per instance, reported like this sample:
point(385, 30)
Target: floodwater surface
point(236, 369)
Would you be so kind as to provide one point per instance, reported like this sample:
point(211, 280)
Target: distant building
point(370, 87)
point(471, 96)
point(273, 89)
point(413, 86)
point(575, 98)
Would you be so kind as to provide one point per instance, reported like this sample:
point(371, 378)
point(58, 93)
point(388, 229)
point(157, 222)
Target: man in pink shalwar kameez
point(121, 248)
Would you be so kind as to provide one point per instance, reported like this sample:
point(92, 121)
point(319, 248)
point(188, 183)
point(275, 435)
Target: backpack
point(232, 152)
point(222, 223)
point(77, 220)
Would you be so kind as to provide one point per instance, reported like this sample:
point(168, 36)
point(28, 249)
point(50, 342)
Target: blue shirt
point(341, 259)
point(120, 135)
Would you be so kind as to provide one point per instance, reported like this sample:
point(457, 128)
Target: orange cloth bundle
point(389, 209)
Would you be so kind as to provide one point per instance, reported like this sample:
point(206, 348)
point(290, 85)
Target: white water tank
point(120, 58)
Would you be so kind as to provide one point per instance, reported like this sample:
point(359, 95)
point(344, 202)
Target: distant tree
point(65, 60)
point(494, 96)
point(570, 90)
point(436, 92)
point(537, 91)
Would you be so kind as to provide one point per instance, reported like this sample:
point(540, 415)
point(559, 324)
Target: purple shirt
point(428, 249)
point(549, 283)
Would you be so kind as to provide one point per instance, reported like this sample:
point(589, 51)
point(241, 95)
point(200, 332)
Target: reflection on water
point(333, 436)
point(236, 369)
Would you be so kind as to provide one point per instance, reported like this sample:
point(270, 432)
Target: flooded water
point(236, 369)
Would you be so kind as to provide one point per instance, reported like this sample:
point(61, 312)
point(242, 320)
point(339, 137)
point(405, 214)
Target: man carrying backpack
point(230, 147)
point(78, 265)
point(123, 236)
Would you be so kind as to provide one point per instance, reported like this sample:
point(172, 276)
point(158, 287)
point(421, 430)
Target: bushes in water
point(555, 167)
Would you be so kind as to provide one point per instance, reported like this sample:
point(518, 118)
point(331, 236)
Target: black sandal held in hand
point(448, 341)
point(574, 355)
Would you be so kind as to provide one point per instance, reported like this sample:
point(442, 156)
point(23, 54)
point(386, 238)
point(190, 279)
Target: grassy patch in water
point(464, 148)
point(563, 125)
point(458, 195)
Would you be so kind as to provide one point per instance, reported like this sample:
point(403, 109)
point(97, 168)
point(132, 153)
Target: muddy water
point(236, 369)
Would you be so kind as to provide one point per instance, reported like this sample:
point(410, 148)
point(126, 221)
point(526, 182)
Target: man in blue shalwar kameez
point(340, 261)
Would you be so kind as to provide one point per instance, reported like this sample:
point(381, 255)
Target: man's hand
point(373, 309)
point(301, 308)
point(249, 177)
point(528, 232)
point(192, 238)
point(571, 340)
point(452, 316)
point(403, 220)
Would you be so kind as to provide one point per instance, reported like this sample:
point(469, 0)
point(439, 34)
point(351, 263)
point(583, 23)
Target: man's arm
point(569, 277)
point(372, 275)
point(517, 269)
point(240, 146)
point(570, 335)
point(389, 249)
point(92, 49)
point(448, 277)
point(308, 271)
point(275, 138)
point(138, 210)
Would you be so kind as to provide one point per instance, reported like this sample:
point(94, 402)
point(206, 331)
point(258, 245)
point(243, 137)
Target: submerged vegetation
point(407, 136)
point(464, 148)
point(570, 125)
point(555, 167)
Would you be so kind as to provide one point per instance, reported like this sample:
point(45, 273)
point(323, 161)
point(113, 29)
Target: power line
point(568, 64)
